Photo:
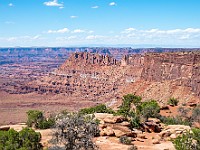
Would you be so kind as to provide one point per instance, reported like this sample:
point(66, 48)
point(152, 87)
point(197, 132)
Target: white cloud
point(61, 7)
point(163, 32)
point(53, 3)
point(112, 4)
point(128, 30)
point(78, 31)
point(10, 4)
point(36, 37)
point(157, 36)
point(95, 7)
point(90, 31)
point(73, 17)
point(66, 38)
point(93, 37)
point(64, 30)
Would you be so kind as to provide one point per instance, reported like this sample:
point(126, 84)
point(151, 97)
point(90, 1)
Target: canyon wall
point(182, 68)
point(102, 78)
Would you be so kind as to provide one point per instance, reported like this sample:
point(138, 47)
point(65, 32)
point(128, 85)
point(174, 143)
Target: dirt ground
point(13, 107)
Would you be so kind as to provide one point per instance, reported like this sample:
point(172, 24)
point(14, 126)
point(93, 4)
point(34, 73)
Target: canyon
point(82, 77)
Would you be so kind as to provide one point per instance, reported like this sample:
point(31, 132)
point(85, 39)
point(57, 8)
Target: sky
point(167, 23)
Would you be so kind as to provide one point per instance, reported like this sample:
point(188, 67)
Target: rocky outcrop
point(182, 68)
point(93, 77)
point(173, 131)
point(152, 125)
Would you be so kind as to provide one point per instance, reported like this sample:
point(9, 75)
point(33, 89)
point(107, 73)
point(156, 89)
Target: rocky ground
point(112, 127)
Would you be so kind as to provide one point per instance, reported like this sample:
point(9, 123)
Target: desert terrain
point(51, 82)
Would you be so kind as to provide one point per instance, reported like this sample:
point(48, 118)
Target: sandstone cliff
point(102, 78)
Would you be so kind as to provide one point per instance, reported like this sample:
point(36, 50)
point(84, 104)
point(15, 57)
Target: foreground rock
point(152, 125)
point(173, 131)
point(114, 126)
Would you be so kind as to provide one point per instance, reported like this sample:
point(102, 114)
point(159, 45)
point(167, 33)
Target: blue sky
point(99, 22)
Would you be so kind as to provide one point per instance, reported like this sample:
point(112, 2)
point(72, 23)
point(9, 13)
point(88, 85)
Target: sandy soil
point(13, 107)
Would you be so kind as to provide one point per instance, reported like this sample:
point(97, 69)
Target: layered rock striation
point(96, 77)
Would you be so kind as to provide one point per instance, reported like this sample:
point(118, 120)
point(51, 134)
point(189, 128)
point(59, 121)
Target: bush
point(128, 99)
point(75, 131)
point(96, 109)
point(125, 140)
point(134, 120)
point(36, 119)
point(173, 101)
point(133, 147)
point(150, 109)
point(26, 139)
point(188, 141)
point(196, 114)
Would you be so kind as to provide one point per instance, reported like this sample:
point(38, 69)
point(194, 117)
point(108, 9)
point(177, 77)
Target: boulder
point(110, 118)
point(142, 136)
point(119, 133)
point(155, 141)
point(152, 125)
point(125, 123)
point(109, 131)
point(114, 119)
point(173, 136)
point(173, 131)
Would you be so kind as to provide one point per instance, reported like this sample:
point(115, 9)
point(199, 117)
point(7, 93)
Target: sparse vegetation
point(174, 120)
point(173, 101)
point(196, 114)
point(183, 112)
point(76, 131)
point(26, 139)
point(36, 119)
point(188, 141)
point(125, 140)
point(96, 109)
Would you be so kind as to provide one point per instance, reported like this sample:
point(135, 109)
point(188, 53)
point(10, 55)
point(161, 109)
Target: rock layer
point(102, 78)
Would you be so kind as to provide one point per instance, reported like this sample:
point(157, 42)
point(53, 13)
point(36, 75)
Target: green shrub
point(188, 141)
point(174, 121)
point(125, 140)
point(128, 99)
point(134, 120)
point(150, 109)
point(46, 124)
point(96, 109)
point(26, 139)
point(36, 119)
point(173, 101)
